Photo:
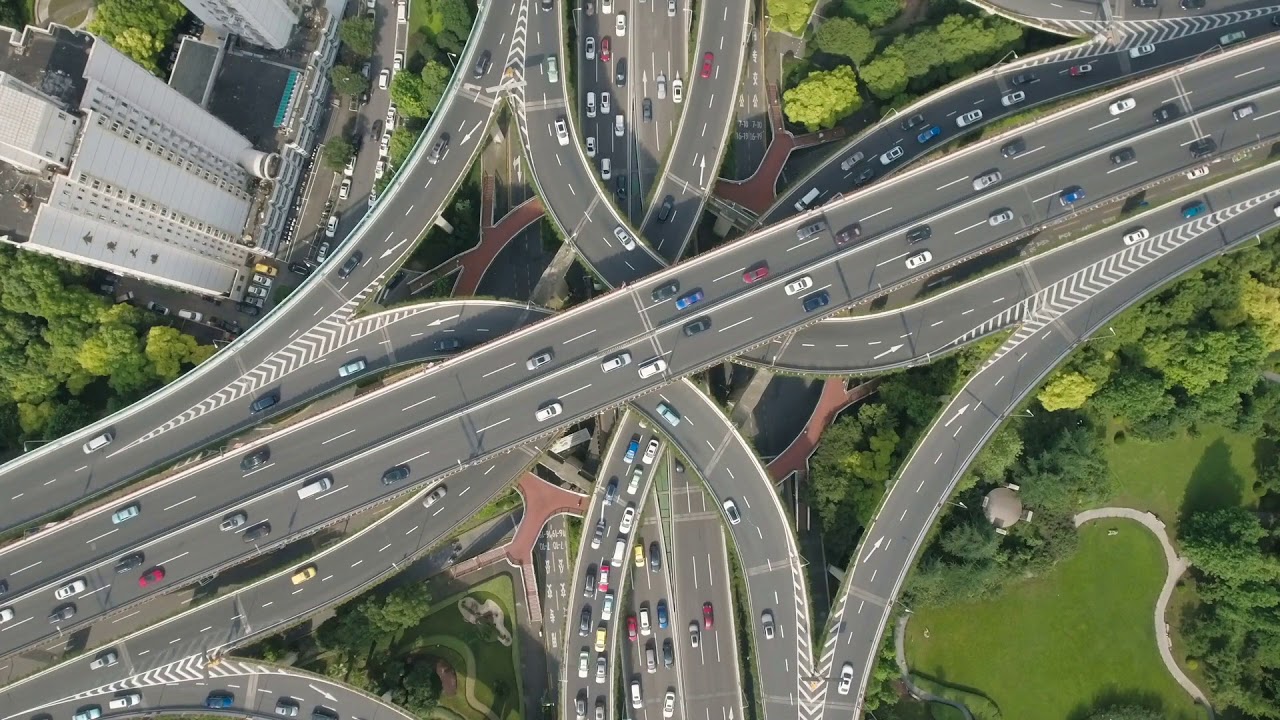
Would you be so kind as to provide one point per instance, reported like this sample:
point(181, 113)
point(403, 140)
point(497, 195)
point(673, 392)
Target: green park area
point(1078, 637)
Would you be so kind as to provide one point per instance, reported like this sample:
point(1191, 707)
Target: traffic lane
point(927, 477)
point(660, 53)
point(1054, 80)
point(93, 537)
point(650, 587)
point(709, 672)
point(231, 618)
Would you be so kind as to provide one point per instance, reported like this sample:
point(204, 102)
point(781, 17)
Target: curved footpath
point(469, 681)
point(1177, 566)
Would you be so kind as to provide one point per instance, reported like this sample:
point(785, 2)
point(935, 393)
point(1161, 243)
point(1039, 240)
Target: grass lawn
point(1050, 648)
point(1174, 477)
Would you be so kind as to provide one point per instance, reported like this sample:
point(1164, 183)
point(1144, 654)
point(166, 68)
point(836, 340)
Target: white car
point(606, 6)
point(731, 510)
point(662, 86)
point(331, 225)
point(846, 679)
point(677, 91)
point(129, 512)
point(969, 118)
point(651, 452)
point(1136, 235)
point(1000, 217)
point(106, 659)
point(1141, 50)
point(1122, 106)
point(584, 657)
point(378, 171)
point(591, 48)
point(669, 702)
point(628, 519)
point(397, 62)
point(671, 8)
point(606, 608)
point(615, 362)
point(384, 79)
point(257, 291)
point(919, 259)
point(624, 237)
point(344, 190)
point(1198, 172)
point(591, 146)
point(892, 154)
point(986, 180)
point(605, 103)
point(562, 131)
point(798, 285)
point(72, 588)
point(620, 25)
point(591, 104)
point(1013, 98)
point(548, 411)
point(619, 125)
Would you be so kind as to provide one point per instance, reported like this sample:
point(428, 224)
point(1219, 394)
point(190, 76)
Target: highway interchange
point(484, 402)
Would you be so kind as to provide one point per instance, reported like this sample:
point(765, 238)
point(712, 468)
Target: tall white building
point(262, 22)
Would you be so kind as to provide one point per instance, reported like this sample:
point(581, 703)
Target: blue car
point(1071, 195)
point(632, 448)
point(1191, 210)
point(929, 133)
point(816, 300)
point(686, 300)
point(219, 700)
point(662, 615)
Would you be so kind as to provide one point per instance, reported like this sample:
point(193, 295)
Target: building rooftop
point(194, 69)
point(247, 95)
point(1003, 507)
point(52, 62)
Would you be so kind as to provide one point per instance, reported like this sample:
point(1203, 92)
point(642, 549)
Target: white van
point(98, 443)
point(808, 198)
point(651, 659)
point(619, 552)
point(653, 367)
point(402, 13)
point(6, 614)
point(125, 701)
point(636, 702)
point(319, 485)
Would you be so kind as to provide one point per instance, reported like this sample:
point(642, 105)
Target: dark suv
point(257, 532)
point(701, 324)
point(668, 207)
point(257, 458)
point(911, 122)
point(665, 292)
point(919, 234)
point(1014, 148)
point(482, 65)
point(1203, 146)
point(1166, 112)
point(1122, 156)
point(265, 402)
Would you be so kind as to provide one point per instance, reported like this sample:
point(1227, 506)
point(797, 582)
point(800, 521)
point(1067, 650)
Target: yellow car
point(639, 553)
point(304, 574)
point(602, 636)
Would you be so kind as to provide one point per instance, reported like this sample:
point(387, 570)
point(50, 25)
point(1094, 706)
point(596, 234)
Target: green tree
point(823, 98)
point(357, 34)
point(115, 352)
point(874, 13)
point(407, 92)
point(138, 28)
point(885, 77)
point(347, 81)
point(13, 13)
point(1066, 391)
point(402, 140)
point(789, 15)
point(336, 152)
point(1126, 712)
point(168, 349)
point(841, 36)
point(998, 455)
point(1068, 470)
point(435, 78)
point(972, 541)
point(455, 22)
point(1224, 544)
point(403, 608)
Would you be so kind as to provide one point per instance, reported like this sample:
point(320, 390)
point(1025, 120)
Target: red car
point(708, 617)
point(757, 273)
point(154, 575)
point(631, 628)
point(707, 59)
point(605, 54)
point(604, 576)
point(1078, 70)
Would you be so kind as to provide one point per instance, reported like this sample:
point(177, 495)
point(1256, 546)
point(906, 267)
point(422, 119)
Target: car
point(671, 8)
point(688, 299)
point(598, 536)
point(1193, 209)
point(395, 474)
point(1080, 70)
point(331, 225)
point(606, 49)
point(219, 699)
point(848, 163)
point(548, 411)
point(257, 291)
point(664, 620)
point(628, 519)
point(661, 82)
point(590, 44)
point(892, 154)
point(483, 63)
point(303, 575)
point(350, 265)
point(758, 272)
point(267, 401)
point(1013, 98)
point(379, 170)
point(538, 360)
point(1191, 4)
point(322, 253)
point(669, 413)
point(1122, 156)
point(919, 259)
point(1241, 112)
point(766, 622)
point(1013, 148)
point(1136, 235)
point(731, 511)
point(583, 658)
point(384, 79)
point(912, 122)
point(1141, 50)
point(1073, 194)
point(606, 6)
point(1232, 38)
point(287, 707)
point(919, 234)
point(151, 577)
point(1202, 147)
point(447, 345)
point(1197, 172)
point(128, 563)
point(708, 616)
point(798, 285)
point(157, 308)
point(1024, 78)
point(72, 588)
point(591, 146)
point(1146, 3)
point(695, 635)
point(619, 125)
point(602, 636)
point(249, 309)
point(677, 90)
point(848, 234)
point(344, 192)
point(928, 134)
point(591, 104)
point(435, 496)
point(126, 513)
point(816, 301)
point(439, 149)
point(667, 209)
point(708, 59)
point(655, 556)
point(127, 700)
point(623, 236)
point(599, 708)
point(620, 72)
point(233, 521)
point(562, 131)
point(104, 660)
point(355, 366)
point(580, 705)
point(646, 110)
point(846, 679)
point(298, 268)
point(62, 612)
point(257, 532)
point(1122, 105)
point(589, 588)
point(651, 451)
point(999, 217)
point(601, 666)
point(616, 361)
point(620, 25)
point(397, 62)
point(669, 704)
point(806, 231)
point(987, 179)
point(93, 712)
point(552, 67)
point(637, 474)
point(665, 291)
point(631, 628)
point(864, 177)
point(633, 447)
point(969, 118)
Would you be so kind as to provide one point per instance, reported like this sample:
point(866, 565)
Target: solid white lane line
point(875, 214)
point(410, 407)
point(338, 437)
point(577, 337)
point(1102, 124)
point(494, 372)
point(895, 257)
point(980, 222)
point(181, 502)
point(490, 427)
point(730, 327)
point(953, 182)
point(93, 540)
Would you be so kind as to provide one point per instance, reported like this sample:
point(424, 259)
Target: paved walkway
point(469, 673)
point(834, 399)
point(1177, 566)
point(493, 237)
point(900, 654)
point(757, 192)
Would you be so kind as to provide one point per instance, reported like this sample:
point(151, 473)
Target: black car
point(1122, 156)
point(697, 326)
point(350, 265)
point(265, 402)
point(1146, 3)
point(646, 110)
point(1197, 4)
point(4, 586)
point(376, 131)
point(848, 234)
point(395, 474)
point(257, 458)
point(817, 300)
point(395, 281)
point(1275, 20)
point(864, 177)
point(621, 75)
point(584, 621)
point(257, 532)
point(546, 4)
point(589, 589)
point(1166, 112)
point(1203, 146)
point(248, 309)
point(665, 292)
point(655, 556)
point(128, 563)
point(668, 653)
point(668, 207)
point(483, 63)
point(919, 234)
point(448, 345)
point(911, 122)
point(620, 187)
point(1014, 148)
point(62, 612)
point(1024, 78)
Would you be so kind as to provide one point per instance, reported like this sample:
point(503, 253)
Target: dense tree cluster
point(13, 13)
point(845, 37)
point(872, 13)
point(956, 47)
point(823, 98)
point(789, 15)
point(138, 28)
point(67, 354)
point(357, 34)
point(455, 19)
point(416, 95)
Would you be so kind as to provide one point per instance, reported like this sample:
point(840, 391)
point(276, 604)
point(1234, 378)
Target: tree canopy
point(874, 13)
point(336, 152)
point(357, 34)
point(138, 28)
point(823, 98)
point(956, 47)
point(347, 80)
point(845, 37)
point(789, 15)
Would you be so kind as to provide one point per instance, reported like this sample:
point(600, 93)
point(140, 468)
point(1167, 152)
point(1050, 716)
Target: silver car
point(538, 360)
point(986, 180)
